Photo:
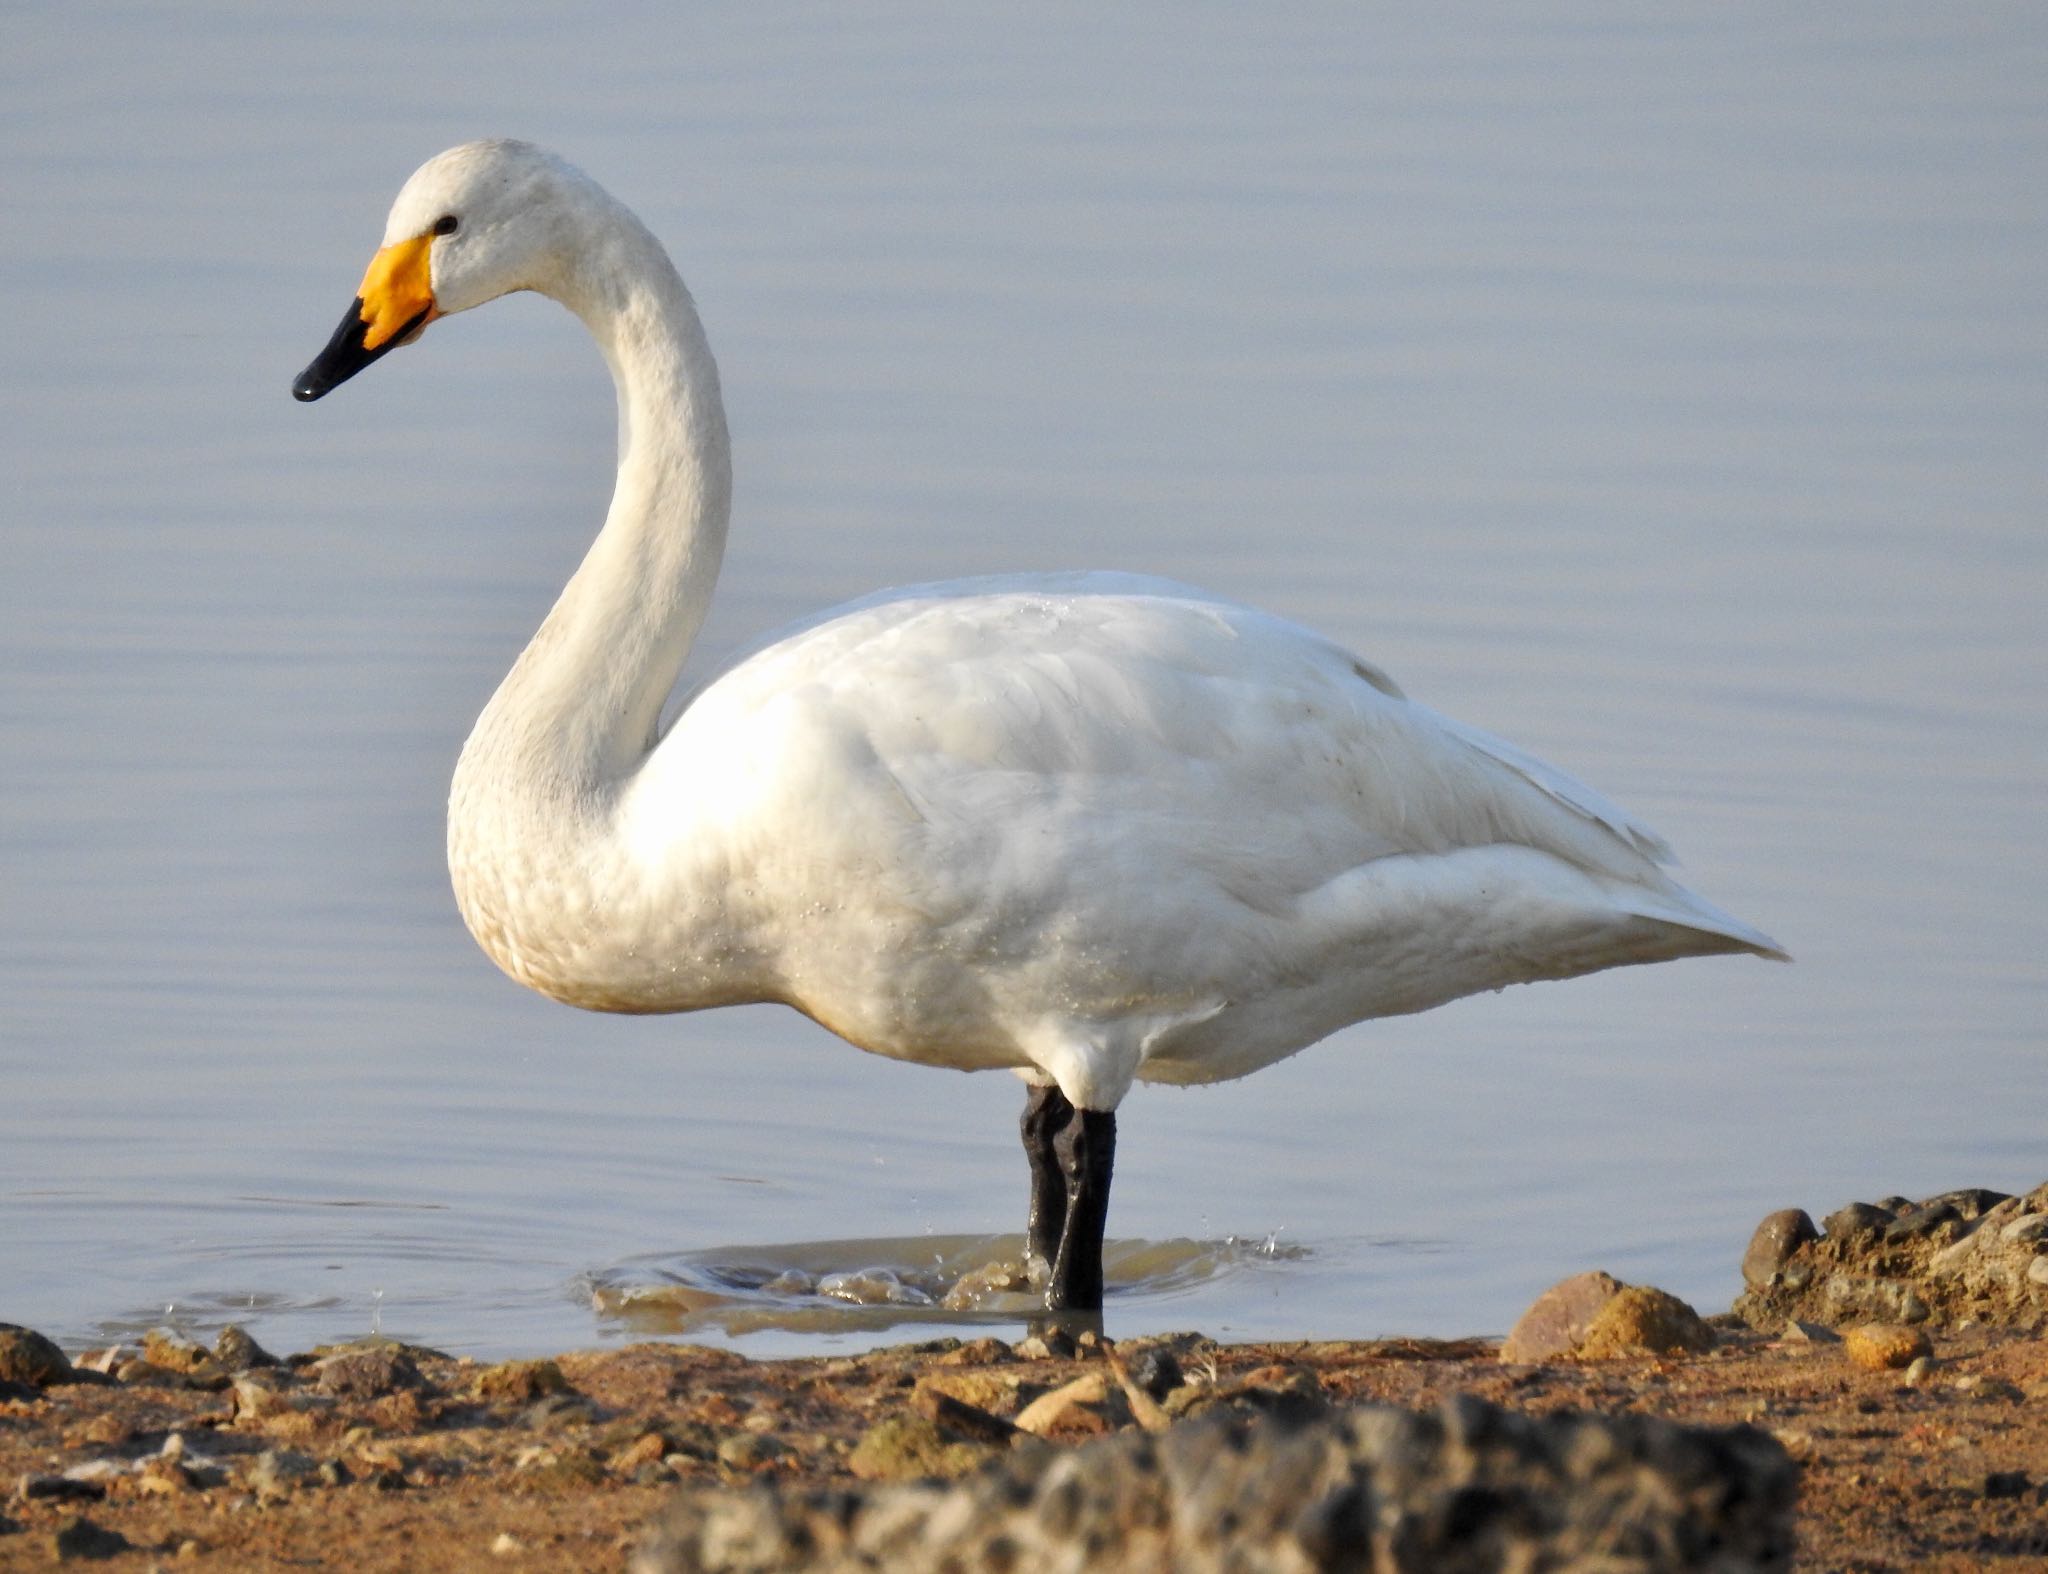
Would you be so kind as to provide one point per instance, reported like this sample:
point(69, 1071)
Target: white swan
point(1091, 828)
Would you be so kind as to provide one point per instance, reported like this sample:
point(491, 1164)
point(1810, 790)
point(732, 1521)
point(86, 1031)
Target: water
point(1663, 390)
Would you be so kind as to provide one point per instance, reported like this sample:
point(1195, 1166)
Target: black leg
point(1046, 1114)
point(1086, 1148)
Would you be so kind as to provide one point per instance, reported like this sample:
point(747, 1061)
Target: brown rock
point(1046, 1411)
point(906, 1448)
point(1645, 1321)
point(367, 1372)
point(1777, 1238)
point(959, 1418)
point(27, 1357)
point(521, 1380)
point(993, 1389)
point(1558, 1318)
point(1885, 1347)
point(175, 1353)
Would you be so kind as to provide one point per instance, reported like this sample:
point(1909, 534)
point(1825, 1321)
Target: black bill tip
point(345, 354)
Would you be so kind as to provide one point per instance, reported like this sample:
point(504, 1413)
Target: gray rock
point(1469, 1486)
point(1970, 1203)
point(367, 1372)
point(1777, 1238)
point(1856, 1219)
point(237, 1350)
point(1923, 1220)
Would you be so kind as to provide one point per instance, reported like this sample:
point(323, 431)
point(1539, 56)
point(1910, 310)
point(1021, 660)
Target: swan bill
point(395, 303)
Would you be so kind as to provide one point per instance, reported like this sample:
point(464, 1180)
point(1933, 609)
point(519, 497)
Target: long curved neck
point(542, 868)
point(579, 709)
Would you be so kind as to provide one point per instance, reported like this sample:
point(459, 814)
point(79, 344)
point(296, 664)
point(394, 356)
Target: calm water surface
point(1664, 389)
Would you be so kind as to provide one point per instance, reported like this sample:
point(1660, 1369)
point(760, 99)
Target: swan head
point(473, 223)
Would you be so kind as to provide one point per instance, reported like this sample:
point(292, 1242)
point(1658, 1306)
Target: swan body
point(1092, 828)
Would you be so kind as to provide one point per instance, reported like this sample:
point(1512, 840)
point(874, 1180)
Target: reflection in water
point(843, 1286)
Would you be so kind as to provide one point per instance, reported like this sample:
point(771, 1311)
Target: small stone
point(162, 1477)
point(27, 1357)
point(961, 1419)
point(277, 1471)
point(1925, 1220)
point(1882, 1347)
point(366, 1372)
point(1156, 1371)
point(991, 1390)
point(1049, 1344)
point(1558, 1318)
point(106, 1431)
point(79, 1540)
point(1921, 1372)
point(507, 1545)
point(520, 1380)
point(2037, 1271)
point(2027, 1228)
point(557, 1410)
point(237, 1350)
point(748, 1451)
point(173, 1352)
point(906, 1448)
point(1800, 1332)
point(1857, 1218)
point(1970, 1202)
point(1777, 1238)
point(648, 1448)
point(138, 1373)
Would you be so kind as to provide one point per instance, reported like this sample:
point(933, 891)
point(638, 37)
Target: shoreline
point(1885, 1385)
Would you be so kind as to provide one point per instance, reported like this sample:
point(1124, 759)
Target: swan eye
point(447, 224)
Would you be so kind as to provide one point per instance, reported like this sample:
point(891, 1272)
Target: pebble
point(1920, 1371)
point(1882, 1347)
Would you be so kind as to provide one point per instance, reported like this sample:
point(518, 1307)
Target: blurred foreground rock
point(1469, 1487)
point(1962, 1257)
